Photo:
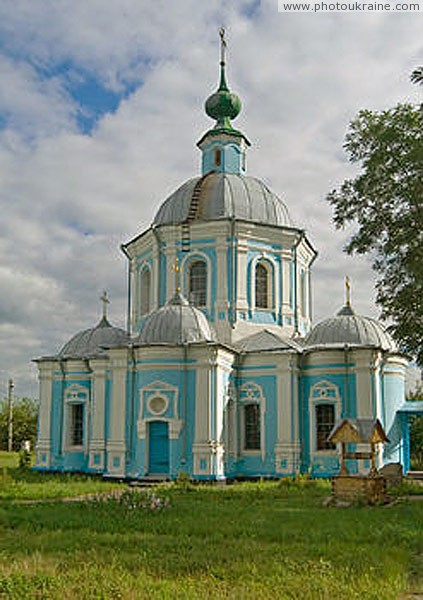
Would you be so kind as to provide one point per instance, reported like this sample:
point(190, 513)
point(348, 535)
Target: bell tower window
point(263, 285)
point(197, 279)
point(218, 157)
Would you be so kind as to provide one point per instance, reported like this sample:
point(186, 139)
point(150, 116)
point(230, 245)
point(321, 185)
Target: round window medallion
point(157, 405)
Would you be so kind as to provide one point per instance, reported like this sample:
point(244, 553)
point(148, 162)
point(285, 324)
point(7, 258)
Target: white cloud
point(69, 199)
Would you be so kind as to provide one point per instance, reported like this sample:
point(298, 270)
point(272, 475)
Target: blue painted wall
point(231, 158)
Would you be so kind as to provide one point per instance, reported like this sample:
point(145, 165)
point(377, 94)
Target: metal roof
point(92, 342)
point(347, 328)
point(223, 196)
point(267, 341)
point(176, 323)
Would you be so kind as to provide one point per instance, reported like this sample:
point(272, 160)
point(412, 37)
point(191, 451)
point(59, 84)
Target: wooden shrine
point(348, 487)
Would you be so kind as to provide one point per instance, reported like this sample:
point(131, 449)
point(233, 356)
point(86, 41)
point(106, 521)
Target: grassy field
point(251, 540)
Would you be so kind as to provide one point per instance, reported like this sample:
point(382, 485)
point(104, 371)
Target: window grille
point(198, 283)
point(252, 426)
point(262, 286)
point(76, 425)
point(325, 421)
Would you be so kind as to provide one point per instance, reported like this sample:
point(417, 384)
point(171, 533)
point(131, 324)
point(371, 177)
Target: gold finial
point(177, 269)
point(222, 45)
point(347, 291)
point(104, 299)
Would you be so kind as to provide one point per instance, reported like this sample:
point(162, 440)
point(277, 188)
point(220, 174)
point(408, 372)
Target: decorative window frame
point(251, 393)
point(75, 394)
point(272, 268)
point(145, 266)
point(186, 263)
point(170, 414)
point(323, 392)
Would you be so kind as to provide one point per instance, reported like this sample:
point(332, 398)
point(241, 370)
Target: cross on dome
point(223, 105)
point(105, 301)
point(347, 291)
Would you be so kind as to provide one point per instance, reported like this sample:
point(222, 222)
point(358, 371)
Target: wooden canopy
point(358, 431)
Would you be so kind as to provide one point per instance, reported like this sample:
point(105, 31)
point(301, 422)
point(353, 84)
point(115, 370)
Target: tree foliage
point(385, 201)
point(25, 414)
point(417, 75)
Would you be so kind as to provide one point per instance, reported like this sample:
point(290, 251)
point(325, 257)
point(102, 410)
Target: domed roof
point(176, 323)
point(91, 342)
point(347, 328)
point(223, 196)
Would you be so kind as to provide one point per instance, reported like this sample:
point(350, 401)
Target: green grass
point(251, 540)
point(8, 459)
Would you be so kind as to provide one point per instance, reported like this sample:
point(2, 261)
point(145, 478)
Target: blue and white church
point(221, 374)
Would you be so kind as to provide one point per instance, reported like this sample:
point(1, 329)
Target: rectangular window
point(325, 420)
point(76, 424)
point(252, 426)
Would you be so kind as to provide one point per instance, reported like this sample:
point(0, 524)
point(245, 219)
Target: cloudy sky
point(101, 105)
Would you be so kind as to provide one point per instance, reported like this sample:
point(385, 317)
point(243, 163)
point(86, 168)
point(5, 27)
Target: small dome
point(91, 342)
point(223, 103)
point(223, 196)
point(176, 323)
point(347, 328)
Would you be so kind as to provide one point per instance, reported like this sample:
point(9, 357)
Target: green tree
point(25, 414)
point(416, 432)
point(417, 75)
point(385, 201)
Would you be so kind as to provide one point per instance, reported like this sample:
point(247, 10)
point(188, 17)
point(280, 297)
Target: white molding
point(72, 397)
point(192, 257)
point(273, 274)
point(259, 398)
point(315, 401)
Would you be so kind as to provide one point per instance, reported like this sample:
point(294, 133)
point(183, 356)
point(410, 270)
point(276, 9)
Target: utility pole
point(10, 419)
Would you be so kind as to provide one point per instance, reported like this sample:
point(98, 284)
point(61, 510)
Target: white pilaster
point(116, 446)
point(287, 448)
point(97, 441)
point(43, 445)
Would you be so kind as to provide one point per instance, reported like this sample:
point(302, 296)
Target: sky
point(101, 106)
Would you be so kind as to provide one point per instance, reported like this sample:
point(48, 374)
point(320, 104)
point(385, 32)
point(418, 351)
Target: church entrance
point(158, 462)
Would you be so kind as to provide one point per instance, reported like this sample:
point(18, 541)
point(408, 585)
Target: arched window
point(197, 282)
point(145, 285)
point(325, 421)
point(76, 399)
point(252, 438)
point(252, 407)
point(218, 157)
point(262, 286)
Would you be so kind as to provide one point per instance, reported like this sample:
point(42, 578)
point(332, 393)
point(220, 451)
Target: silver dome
point(92, 342)
point(223, 196)
point(176, 323)
point(347, 328)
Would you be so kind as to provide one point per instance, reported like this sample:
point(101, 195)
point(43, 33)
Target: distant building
point(221, 374)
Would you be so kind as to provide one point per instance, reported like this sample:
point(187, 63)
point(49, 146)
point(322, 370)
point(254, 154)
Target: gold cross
point(348, 291)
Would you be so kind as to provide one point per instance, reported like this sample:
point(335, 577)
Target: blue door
point(158, 447)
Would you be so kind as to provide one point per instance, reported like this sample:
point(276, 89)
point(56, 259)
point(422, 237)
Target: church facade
point(220, 374)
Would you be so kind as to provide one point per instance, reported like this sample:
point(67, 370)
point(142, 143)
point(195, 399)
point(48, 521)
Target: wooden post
point(344, 470)
point(373, 470)
point(10, 416)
